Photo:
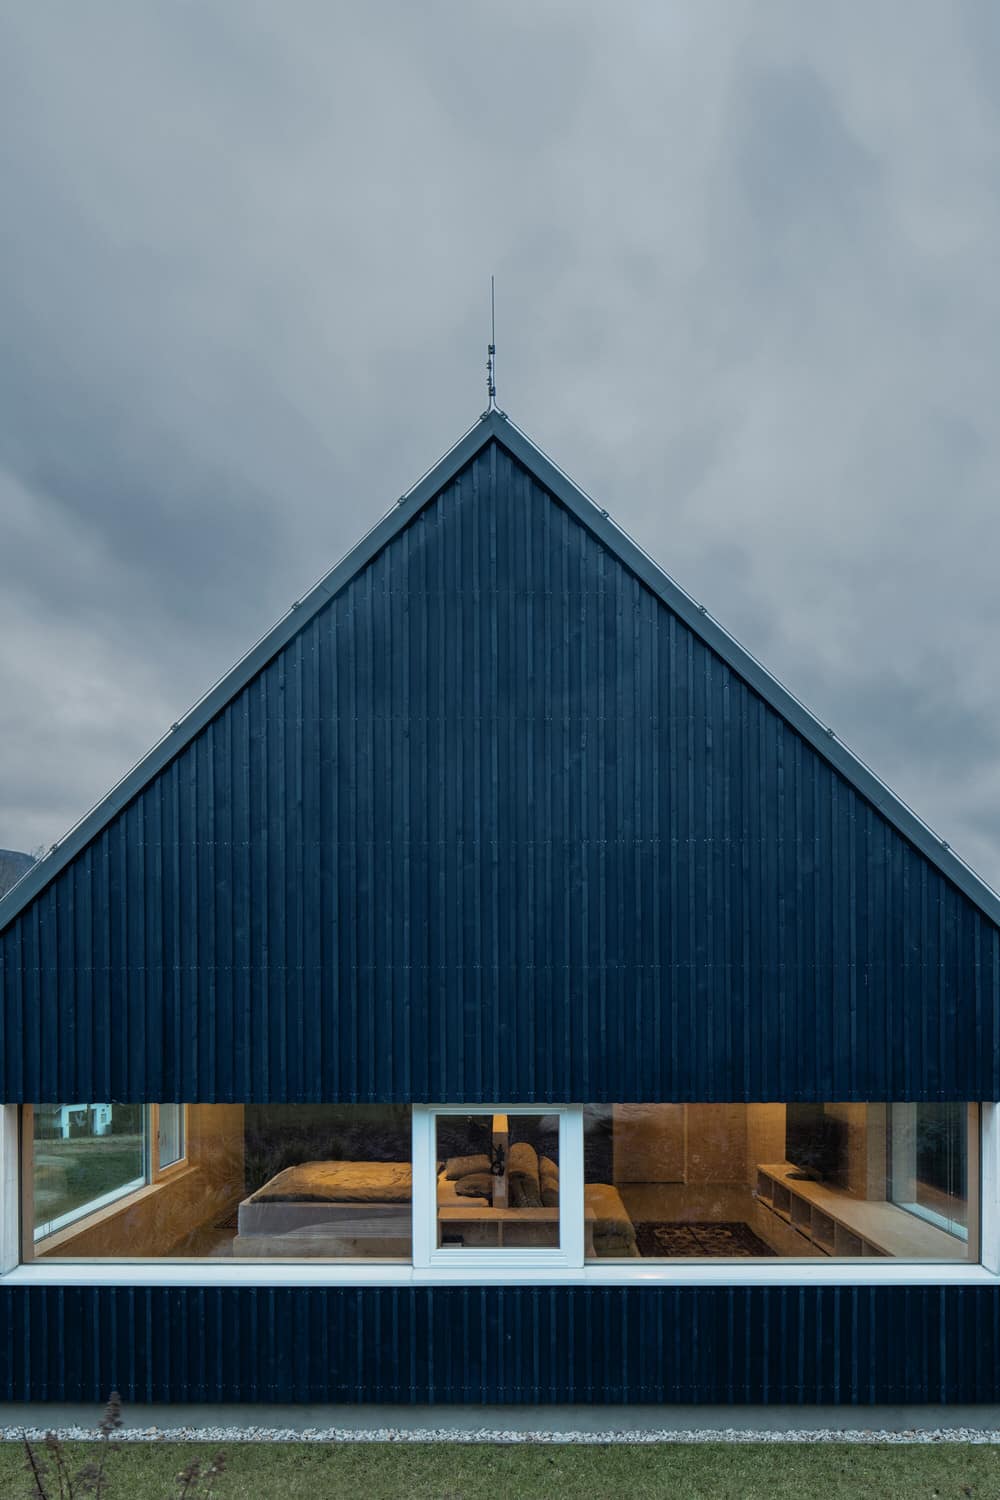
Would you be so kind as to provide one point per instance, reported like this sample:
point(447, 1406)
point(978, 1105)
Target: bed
point(363, 1209)
point(336, 1209)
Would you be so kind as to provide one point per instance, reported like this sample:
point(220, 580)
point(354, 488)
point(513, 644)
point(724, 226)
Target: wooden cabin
point(499, 988)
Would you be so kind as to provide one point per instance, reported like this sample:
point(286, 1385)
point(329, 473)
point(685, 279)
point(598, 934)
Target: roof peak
point(495, 425)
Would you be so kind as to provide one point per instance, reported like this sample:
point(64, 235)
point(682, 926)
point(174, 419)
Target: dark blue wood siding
point(517, 1344)
point(496, 824)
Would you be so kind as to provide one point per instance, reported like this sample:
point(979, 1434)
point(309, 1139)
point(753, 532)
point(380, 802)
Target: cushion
point(615, 1247)
point(522, 1172)
point(475, 1185)
point(447, 1195)
point(461, 1166)
point(547, 1167)
point(549, 1187)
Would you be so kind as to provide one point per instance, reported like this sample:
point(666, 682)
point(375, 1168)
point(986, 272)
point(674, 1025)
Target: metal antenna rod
point(491, 362)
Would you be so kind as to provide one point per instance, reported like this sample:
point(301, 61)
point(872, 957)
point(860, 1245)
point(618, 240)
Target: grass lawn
point(447, 1471)
point(72, 1173)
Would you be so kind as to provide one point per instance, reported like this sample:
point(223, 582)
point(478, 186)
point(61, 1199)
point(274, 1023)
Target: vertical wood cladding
point(496, 824)
point(860, 1344)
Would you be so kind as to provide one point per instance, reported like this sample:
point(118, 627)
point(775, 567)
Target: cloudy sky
point(746, 259)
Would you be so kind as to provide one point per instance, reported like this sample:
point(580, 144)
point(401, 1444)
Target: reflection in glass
point(498, 1181)
point(84, 1157)
point(802, 1181)
point(662, 1181)
point(170, 1134)
point(930, 1163)
point(283, 1182)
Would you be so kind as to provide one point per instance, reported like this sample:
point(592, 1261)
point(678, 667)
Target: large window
point(498, 1181)
point(453, 1188)
point(503, 1184)
point(214, 1181)
point(799, 1181)
point(930, 1163)
point(84, 1158)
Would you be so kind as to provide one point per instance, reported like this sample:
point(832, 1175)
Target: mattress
point(334, 1204)
point(339, 1182)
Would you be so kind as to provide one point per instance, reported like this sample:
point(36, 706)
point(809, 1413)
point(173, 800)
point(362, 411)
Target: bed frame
point(340, 1230)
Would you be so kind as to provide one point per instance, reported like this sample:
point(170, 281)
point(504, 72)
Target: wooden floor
point(208, 1242)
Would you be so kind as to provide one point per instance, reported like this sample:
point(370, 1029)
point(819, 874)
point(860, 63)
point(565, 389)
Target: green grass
point(452, 1471)
point(93, 1166)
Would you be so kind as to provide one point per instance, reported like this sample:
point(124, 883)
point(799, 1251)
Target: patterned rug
point(687, 1241)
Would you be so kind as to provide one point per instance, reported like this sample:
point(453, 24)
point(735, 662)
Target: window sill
point(201, 1274)
point(51, 1243)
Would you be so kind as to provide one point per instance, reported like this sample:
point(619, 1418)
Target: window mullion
point(424, 1189)
point(989, 1187)
point(571, 1191)
point(153, 1142)
point(10, 1178)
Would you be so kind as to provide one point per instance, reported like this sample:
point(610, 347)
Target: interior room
point(660, 1181)
point(752, 1181)
point(497, 1181)
point(281, 1181)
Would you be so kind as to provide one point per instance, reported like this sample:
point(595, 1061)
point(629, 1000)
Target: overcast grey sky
point(746, 258)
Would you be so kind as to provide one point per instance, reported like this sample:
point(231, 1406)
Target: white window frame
point(461, 1259)
point(10, 1188)
point(157, 1169)
point(509, 1269)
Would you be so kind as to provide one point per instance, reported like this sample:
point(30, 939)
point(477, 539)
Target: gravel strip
point(976, 1435)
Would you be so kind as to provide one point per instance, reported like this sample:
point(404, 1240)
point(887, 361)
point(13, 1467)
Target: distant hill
point(12, 867)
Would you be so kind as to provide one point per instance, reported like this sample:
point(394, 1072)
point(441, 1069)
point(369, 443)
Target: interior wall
point(282, 1135)
point(648, 1142)
point(765, 1137)
point(153, 1220)
point(716, 1143)
point(864, 1169)
point(680, 1143)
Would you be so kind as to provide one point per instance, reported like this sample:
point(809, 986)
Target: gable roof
point(495, 426)
point(13, 864)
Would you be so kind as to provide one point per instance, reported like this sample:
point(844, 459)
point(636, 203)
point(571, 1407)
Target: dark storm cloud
point(747, 297)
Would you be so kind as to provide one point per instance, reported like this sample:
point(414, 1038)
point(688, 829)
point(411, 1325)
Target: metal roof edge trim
point(780, 698)
point(34, 881)
point(491, 425)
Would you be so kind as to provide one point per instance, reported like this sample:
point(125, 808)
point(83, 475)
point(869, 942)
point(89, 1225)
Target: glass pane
point(498, 1181)
point(280, 1182)
point(171, 1134)
point(753, 1181)
point(85, 1156)
point(930, 1163)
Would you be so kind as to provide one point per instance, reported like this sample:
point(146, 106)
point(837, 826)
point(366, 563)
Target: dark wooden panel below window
point(516, 1344)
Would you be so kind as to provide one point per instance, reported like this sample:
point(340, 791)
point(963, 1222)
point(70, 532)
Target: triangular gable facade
point(497, 813)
